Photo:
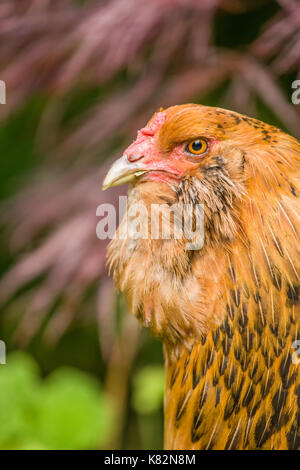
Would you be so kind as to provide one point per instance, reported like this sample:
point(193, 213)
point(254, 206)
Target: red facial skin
point(171, 167)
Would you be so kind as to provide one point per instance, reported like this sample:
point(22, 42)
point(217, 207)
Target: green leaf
point(148, 389)
point(18, 397)
point(74, 414)
point(67, 410)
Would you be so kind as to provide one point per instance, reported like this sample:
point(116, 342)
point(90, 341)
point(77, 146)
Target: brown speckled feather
point(238, 388)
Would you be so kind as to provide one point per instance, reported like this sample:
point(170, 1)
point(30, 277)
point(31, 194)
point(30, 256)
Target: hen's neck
point(179, 294)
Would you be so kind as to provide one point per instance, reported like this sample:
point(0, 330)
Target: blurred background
point(81, 77)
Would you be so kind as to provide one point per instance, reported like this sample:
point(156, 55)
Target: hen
point(228, 312)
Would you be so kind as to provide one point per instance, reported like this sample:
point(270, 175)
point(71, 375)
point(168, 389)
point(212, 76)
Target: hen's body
point(238, 388)
point(229, 313)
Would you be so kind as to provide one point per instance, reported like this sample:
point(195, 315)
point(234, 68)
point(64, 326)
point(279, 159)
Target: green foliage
point(148, 389)
point(67, 410)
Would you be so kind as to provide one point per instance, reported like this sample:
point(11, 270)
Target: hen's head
point(178, 142)
point(245, 173)
point(204, 155)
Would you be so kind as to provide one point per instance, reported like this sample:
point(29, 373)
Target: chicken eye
point(197, 147)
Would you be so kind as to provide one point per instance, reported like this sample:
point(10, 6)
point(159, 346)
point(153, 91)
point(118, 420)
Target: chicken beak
point(121, 172)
